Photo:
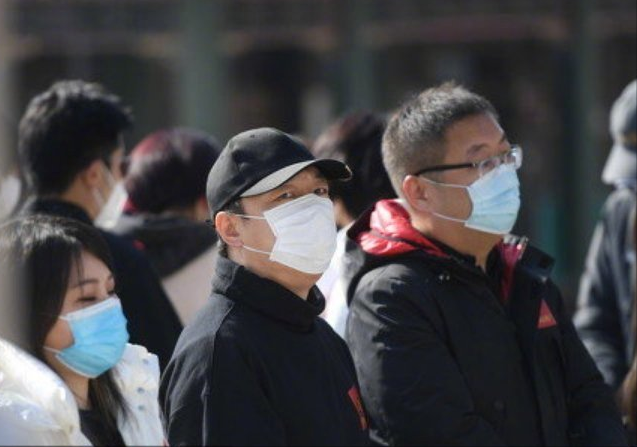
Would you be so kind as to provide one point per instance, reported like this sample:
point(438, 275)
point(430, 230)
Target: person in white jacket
point(355, 139)
point(76, 381)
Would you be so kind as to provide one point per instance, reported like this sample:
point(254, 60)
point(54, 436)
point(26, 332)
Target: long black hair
point(43, 251)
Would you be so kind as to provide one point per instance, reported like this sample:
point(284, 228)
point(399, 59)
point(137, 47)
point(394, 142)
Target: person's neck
point(78, 385)
point(281, 276)
point(78, 198)
point(463, 240)
point(300, 290)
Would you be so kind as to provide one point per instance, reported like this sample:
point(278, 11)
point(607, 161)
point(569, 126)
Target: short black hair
point(355, 139)
point(415, 136)
point(65, 129)
point(168, 170)
point(234, 207)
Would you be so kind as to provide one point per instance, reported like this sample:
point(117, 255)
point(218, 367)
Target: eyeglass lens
point(514, 157)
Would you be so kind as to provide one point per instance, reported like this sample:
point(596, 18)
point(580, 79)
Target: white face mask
point(10, 189)
point(111, 208)
point(305, 232)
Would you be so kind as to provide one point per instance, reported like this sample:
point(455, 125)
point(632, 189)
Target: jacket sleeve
point(413, 389)
point(597, 318)
point(230, 407)
point(592, 412)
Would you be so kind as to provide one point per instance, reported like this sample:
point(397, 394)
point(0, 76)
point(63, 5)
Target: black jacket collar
point(266, 297)
point(55, 207)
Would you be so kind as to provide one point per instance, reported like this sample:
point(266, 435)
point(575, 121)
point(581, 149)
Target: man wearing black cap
point(606, 296)
point(257, 366)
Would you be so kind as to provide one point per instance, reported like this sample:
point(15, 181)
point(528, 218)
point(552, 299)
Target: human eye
point(84, 300)
point(489, 164)
point(285, 195)
point(322, 192)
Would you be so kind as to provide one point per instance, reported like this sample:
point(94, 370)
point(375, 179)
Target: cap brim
point(331, 169)
point(621, 165)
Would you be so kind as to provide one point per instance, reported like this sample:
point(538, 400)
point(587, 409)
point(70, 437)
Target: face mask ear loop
point(109, 175)
point(450, 185)
point(453, 219)
point(54, 351)
point(254, 250)
point(249, 217)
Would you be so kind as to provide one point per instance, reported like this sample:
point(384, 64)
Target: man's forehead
point(472, 135)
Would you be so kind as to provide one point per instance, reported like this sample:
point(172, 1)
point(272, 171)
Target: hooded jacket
point(37, 408)
point(182, 252)
point(449, 355)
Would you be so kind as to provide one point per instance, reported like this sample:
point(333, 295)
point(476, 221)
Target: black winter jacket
point(606, 295)
point(449, 355)
point(152, 321)
point(257, 367)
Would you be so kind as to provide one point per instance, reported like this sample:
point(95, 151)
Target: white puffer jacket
point(37, 408)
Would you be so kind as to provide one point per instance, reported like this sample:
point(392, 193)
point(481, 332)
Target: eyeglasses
point(511, 157)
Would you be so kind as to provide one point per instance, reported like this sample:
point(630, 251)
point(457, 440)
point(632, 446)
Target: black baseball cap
point(259, 160)
point(621, 165)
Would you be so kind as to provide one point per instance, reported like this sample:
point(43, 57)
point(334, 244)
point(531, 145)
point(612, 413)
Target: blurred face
point(257, 233)
point(112, 173)
point(10, 189)
point(90, 283)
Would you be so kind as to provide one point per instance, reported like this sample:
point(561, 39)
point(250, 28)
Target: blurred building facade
point(551, 67)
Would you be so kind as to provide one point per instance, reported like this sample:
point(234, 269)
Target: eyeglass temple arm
point(446, 168)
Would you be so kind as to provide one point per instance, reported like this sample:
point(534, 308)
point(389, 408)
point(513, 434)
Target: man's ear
point(92, 175)
point(226, 226)
point(416, 193)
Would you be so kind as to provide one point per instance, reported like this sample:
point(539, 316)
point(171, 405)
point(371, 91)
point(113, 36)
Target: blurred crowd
point(362, 288)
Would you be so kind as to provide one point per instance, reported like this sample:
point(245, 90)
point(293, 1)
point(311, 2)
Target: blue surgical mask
point(495, 199)
point(100, 336)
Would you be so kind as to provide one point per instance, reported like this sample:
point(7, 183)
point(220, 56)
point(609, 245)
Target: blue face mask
point(495, 198)
point(100, 336)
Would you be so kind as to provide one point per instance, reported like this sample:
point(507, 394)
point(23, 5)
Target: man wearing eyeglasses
point(458, 334)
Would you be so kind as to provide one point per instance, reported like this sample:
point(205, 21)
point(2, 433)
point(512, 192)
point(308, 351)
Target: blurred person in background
point(355, 139)
point(627, 393)
point(458, 334)
point(10, 191)
point(166, 212)
point(70, 147)
point(605, 303)
point(257, 366)
point(88, 385)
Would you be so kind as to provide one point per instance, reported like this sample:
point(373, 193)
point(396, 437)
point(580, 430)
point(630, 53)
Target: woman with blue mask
point(99, 389)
